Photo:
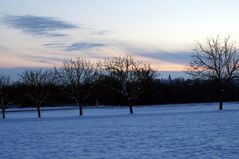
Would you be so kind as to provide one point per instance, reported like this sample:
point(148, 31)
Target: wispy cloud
point(42, 59)
point(55, 45)
point(37, 25)
point(101, 33)
point(83, 45)
point(173, 57)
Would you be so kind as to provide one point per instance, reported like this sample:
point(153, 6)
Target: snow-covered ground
point(170, 131)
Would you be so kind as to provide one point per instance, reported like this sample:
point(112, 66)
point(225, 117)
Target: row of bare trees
point(217, 60)
point(77, 77)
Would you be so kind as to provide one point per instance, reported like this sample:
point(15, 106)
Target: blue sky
point(163, 32)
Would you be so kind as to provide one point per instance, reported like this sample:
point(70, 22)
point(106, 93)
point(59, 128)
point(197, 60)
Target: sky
point(43, 33)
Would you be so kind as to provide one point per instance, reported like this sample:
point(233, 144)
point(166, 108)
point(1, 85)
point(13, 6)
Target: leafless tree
point(4, 84)
point(216, 60)
point(37, 83)
point(130, 76)
point(77, 77)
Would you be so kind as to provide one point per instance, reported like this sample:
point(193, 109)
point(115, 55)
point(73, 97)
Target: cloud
point(37, 25)
point(46, 60)
point(101, 33)
point(173, 57)
point(74, 46)
point(55, 45)
point(81, 46)
point(145, 51)
point(40, 59)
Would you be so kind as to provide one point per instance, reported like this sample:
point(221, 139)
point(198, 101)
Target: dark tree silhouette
point(77, 77)
point(37, 83)
point(129, 76)
point(4, 84)
point(216, 60)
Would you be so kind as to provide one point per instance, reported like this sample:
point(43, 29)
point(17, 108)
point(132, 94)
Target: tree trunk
point(221, 105)
point(2, 107)
point(130, 106)
point(38, 111)
point(131, 109)
point(3, 113)
point(221, 99)
point(81, 109)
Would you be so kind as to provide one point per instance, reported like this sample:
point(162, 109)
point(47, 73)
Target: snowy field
point(169, 131)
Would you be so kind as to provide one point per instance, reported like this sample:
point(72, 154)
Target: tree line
point(78, 80)
point(123, 80)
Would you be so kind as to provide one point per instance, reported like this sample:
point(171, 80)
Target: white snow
point(169, 131)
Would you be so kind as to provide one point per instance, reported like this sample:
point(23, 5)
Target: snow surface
point(170, 131)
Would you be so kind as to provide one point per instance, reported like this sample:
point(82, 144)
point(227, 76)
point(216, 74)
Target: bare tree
point(37, 83)
point(77, 77)
point(216, 60)
point(130, 76)
point(4, 84)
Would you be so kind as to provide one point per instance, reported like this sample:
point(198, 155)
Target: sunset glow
point(163, 33)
